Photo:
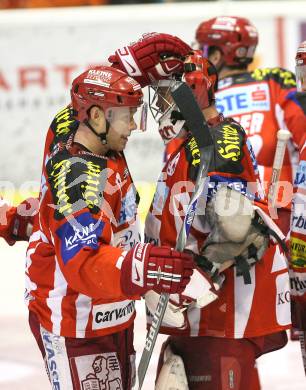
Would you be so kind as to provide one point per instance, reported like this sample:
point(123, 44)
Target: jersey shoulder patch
point(229, 139)
point(284, 77)
point(63, 125)
point(76, 182)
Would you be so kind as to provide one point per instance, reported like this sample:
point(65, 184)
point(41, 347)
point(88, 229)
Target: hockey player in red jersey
point(84, 265)
point(262, 101)
point(16, 223)
point(298, 220)
point(219, 342)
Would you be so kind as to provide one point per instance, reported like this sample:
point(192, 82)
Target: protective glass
point(300, 71)
point(128, 118)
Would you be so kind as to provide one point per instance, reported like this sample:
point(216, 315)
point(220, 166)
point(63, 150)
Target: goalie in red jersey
point(217, 330)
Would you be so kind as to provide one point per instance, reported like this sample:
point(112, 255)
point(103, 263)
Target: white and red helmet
point(104, 87)
point(300, 67)
point(236, 37)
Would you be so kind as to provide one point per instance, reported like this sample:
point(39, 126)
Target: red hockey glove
point(17, 222)
point(162, 269)
point(202, 78)
point(153, 57)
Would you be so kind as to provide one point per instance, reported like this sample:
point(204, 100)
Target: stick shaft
point(282, 138)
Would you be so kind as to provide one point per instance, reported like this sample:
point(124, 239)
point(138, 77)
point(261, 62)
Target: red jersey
point(298, 246)
point(87, 218)
point(242, 310)
point(264, 101)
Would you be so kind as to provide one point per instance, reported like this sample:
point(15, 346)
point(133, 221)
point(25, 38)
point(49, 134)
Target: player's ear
point(215, 57)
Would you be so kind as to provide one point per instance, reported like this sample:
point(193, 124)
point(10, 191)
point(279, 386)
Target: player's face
point(164, 98)
point(122, 123)
point(301, 78)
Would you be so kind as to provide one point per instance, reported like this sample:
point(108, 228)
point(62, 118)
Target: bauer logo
point(243, 99)
point(112, 314)
point(82, 231)
point(300, 178)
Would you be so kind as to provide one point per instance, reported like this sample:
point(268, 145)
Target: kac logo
point(75, 234)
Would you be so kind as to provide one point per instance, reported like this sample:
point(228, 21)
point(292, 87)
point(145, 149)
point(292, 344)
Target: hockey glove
point(199, 292)
point(155, 56)
point(16, 223)
point(202, 78)
point(162, 269)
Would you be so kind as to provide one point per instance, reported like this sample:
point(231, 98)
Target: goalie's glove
point(162, 269)
point(235, 232)
point(202, 77)
point(199, 292)
point(155, 56)
point(16, 223)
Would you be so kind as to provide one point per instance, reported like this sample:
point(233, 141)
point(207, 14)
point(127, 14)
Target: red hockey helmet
point(202, 77)
point(236, 37)
point(300, 67)
point(104, 87)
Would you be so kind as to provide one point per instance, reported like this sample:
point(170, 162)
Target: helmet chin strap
point(101, 136)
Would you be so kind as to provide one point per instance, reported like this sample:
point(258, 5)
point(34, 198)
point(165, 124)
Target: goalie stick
point(282, 138)
point(196, 123)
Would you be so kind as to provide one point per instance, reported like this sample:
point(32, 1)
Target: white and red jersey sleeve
point(263, 102)
point(87, 219)
point(242, 310)
point(298, 246)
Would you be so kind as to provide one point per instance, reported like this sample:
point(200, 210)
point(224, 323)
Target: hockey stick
point(282, 138)
point(195, 121)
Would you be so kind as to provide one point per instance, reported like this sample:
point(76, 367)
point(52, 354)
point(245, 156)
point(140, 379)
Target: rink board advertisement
point(43, 50)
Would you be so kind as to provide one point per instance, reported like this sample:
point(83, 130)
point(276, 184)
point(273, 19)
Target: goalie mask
point(164, 110)
point(300, 67)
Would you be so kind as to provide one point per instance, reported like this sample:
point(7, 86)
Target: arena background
point(41, 52)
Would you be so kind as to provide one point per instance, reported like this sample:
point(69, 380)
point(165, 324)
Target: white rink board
point(42, 50)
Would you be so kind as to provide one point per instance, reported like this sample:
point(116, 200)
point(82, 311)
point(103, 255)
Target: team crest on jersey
point(98, 372)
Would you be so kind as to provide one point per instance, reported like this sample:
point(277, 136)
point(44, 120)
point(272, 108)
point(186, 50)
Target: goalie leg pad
point(172, 375)
point(216, 363)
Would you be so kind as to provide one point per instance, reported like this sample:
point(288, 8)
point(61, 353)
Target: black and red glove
point(155, 56)
point(16, 223)
point(162, 269)
point(202, 78)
